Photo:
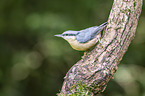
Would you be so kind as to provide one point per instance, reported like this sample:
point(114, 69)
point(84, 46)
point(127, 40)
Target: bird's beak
point(59, 35)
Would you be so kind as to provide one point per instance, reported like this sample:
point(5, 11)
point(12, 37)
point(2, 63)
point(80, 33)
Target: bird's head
point(68, 35)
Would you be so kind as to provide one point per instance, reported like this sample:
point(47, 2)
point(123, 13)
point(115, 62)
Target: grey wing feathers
point(87, 34)
point(90, 33)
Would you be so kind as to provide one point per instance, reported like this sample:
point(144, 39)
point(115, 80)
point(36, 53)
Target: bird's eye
point(65, 34)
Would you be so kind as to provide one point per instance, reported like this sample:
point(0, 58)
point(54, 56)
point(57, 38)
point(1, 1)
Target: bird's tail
point(100, 28)
point(103, 25)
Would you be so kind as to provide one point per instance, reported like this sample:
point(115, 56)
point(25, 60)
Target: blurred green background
point(33, 62)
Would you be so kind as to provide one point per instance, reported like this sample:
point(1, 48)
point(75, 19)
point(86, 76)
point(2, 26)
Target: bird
point(84, 39)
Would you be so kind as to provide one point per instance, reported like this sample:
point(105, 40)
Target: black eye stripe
point(68, 34)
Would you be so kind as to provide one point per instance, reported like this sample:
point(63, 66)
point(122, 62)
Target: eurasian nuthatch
point(83, 39)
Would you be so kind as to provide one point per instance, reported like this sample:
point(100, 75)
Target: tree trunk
point(97, 67)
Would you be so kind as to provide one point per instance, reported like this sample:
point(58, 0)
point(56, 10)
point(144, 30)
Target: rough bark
point(97, 67)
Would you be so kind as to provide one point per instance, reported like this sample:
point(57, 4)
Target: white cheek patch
point(69, 37)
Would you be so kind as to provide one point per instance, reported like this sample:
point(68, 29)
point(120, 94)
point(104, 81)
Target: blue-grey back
point(88, 34)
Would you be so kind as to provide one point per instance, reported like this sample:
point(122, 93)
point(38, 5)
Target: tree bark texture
point(97, 67)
